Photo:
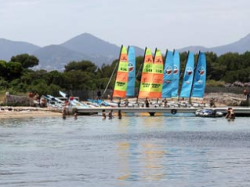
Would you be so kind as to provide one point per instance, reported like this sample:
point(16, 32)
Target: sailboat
point(168, 75)
point(188, 77)
point(147, 74)
point(121, 81)
point(176, 75)
point(199, 82)
point(131, 72)
point(157, 78)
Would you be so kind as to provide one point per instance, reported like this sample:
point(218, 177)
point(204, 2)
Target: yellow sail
point(122, 75)
point(147, 73)
point(157, 77)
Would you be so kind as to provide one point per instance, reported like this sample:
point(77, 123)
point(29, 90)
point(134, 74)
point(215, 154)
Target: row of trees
point(17, 74)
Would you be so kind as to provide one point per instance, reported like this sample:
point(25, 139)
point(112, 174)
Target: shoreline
point(26, 112)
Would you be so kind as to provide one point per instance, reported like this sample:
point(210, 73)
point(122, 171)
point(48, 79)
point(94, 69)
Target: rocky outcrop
point(226, 99)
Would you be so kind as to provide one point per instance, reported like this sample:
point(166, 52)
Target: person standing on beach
point(99, 94)
point(147, 102)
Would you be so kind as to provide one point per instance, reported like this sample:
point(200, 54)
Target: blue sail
point(131, 74)
point(200, 77)
point(168, 75)
point(176, 74)
point(188, 77)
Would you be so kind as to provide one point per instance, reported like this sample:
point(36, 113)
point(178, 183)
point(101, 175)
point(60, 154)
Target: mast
point(110, 79)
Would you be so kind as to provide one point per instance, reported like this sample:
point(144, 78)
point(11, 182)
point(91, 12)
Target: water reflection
point(141, 161)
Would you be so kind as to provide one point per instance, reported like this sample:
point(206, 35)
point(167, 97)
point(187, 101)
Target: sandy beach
point(26, 112)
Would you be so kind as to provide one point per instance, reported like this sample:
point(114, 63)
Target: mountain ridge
point(89, 47)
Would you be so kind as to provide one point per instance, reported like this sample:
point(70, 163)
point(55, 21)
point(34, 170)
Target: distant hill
point(239, 46)
point(56, 57)
point(10, 48)
point(89, 47)
point(89, 44)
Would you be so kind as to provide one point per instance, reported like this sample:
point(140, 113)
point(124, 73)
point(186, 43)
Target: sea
point(136, 151)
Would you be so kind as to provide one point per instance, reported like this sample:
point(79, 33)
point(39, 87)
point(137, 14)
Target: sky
point(163, 24)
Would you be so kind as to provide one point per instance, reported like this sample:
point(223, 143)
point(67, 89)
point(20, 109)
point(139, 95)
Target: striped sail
point(157, 78)
point(200, 77)
point(147, 74)
point(176, 75)
point(131, 74)
point(168, 75)
point(188, 77)
point(122, 75)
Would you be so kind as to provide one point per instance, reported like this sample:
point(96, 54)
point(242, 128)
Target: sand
point(26, 112)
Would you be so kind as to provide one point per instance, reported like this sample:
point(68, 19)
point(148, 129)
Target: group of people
point(110, 114)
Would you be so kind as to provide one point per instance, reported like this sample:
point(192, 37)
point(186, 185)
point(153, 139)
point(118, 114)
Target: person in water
point(103, 114)
point(111, 114)
point(119, 114)
point(230, 114)
point(75, 114)
point(64, 112)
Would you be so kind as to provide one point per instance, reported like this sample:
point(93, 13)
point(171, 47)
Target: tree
point(82, 65)
point(27, 61)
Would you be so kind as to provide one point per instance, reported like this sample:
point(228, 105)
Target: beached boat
point(208, 113)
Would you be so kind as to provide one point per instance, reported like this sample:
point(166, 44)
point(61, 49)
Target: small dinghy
point(208, 113)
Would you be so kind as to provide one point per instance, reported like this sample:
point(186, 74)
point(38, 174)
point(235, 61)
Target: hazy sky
point(166, 24)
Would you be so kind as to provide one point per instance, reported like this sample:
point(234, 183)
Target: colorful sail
point(168, 75)
point(200, 77)
point(157, 78)
point(147, 74)
point(122, 75)
point(176, 75)
point(131, 74)
point(188, 77)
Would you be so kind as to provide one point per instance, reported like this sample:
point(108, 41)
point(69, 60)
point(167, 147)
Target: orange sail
point(147, 74)
point(122, 75)
point(157, 78)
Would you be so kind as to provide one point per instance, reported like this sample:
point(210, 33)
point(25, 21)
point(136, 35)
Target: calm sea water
point(135, 151)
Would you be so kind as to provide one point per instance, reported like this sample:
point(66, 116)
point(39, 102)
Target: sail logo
point(130, 66)
point(176, 70)
point(148, 59)
point(189, 71)
point(124, 59)
point(200, 82)
point(201, 71)
point(168, 70)
point(120, 84)
point(158, 60)
point(167, 81)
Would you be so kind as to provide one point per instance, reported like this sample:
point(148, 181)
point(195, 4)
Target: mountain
point(56, 57)
point(89, 44)
point(10, 48)
point(239, 46)
point(96, 50)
